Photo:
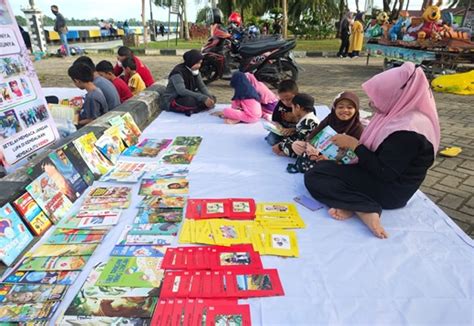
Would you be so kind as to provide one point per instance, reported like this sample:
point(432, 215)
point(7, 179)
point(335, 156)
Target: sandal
point(451, 151)
point(292, 168)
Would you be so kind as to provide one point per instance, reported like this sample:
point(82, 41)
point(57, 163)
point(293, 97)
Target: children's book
point(110, 144)
point(92, 222)
point(14, 235)
point(33, 215)
point(277, 242)
point(65, 167)
point(132, 272)
point(37, 312)
point(147, 148)
point(73, 236)
point(48, 196)
point(154, 229)
point(261, 283)
point(95, 321)
point(322, 142)
point(164, 215)
point(34, 277)
point(155, 202)
point(133, 307)
point(63, 250)
point(122, 176)
point(232, 208)
point(107, 198)
point(75, 158)
point(30, 293)
point(128, 132)
point(271, 127)
point(147, 239)
point(168, 171)
point(139, 251)
point(159, 187)
point(221, 315)
point(65, 263)
point(189, 141)
point(178, 155)
point(96, 162)
point(131, 125)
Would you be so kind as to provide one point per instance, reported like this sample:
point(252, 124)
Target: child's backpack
point(187, 110)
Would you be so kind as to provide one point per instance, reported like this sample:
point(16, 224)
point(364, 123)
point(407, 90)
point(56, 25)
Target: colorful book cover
point(322, 142)
point(133, 272)
point(92, 222)
point(149, 239)
point(127, 135)
point(189, 141)
point(159, 187)
point(110, 144)
point(147, 216)
point(48, 196)
point(95, 321)
point(155, 202)
point(63, 250)
point(123, 176)
point(139, 251)
point(154, 229)
point(34, 277)
point(72, 236)
point(28, 312)
point(96, 162)
point(65, 167)
point(147, 148)
point(30, 293)
point(134, 307)
point(32, 214)
point(14, 235)
point(178, 155)
point(269, 126)
point(75, 158)
point(168, 171)
point(131, 125)
point(66, 263)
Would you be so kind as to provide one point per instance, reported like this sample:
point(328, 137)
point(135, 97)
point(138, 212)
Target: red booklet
point(262, 283)
point(231, 208)
point(228, 315)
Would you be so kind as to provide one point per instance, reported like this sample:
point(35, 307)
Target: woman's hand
point(287, 131)
point(299, 147)
point(209, 102)
point(345, 141)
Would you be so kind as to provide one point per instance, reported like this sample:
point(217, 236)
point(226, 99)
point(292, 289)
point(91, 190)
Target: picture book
point(138, 251)
point(155, 202)
point(168, 171)
point(147, 148)
point(132, 272)
point(96, 162)
point(178, 155)
point(159, 187)
point(95, 320)
point(14, 235)
point(322, 142)
point(92, 222)
point(63, 112)
point(154, 229)
point(231, 208)
point(30, 293)
point(227, 232)
point(64, 263)
point(48, 196)
point(277, 242)
point(130, 124)
point(46, 250)
point(133, 307)
point(271, 127)
point(265, 282)
point(148, 239)
point(73, 236)
point(33, 215)
point(122, 176)
point(223, 315)
point(107, 198)
point(79, 164)
point(98, 213)
point(189, 141)
point(128, 132)
point(65, 167)
point(27, 312)
point(110, 144)
point(35, 277)
point(165, 215)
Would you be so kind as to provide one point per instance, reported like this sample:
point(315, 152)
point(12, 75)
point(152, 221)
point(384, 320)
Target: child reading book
point(268, 99)
point(95, 104)
point(343, 119)
point(106, 70)
point(282, 116)
point(303, 109)
point(245, 106)
point(135, 82)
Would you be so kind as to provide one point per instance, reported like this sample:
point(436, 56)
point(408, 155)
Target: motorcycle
point(270, 59)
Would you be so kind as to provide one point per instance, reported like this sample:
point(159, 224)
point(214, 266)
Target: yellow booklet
point(280, 243)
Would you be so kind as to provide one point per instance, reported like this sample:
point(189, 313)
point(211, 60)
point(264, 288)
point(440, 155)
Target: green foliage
point(202, 15)
point(21, 20)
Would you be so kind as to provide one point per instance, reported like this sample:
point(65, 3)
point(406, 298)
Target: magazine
point(322, 142)
point(75, 158)
point(110, 144)
point(147, 148)
point(96, 162)
point(32, 214)
point(34, 277)
point(14, 235)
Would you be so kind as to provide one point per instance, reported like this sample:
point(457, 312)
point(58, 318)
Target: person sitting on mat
point(268, 99)
point(186, 92)
point(245, 105)
point(344, 119)
point(282, 116)
point(394, 152)
point(303, 109)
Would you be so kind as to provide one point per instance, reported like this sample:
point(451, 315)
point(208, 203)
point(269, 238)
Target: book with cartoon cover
point(37, 312)
point(189, 141)
point(110, 144)
point(122, 176)
point(271, 127)
point(178, 155)
point(132, 272)
point(154, 229)
point(147, 216)
point(147, 148)
point(48, 196)
point(96, 162)
point(322, 142)
point(155, 202)
point(65, 263)
point(14, 235)
point(65, 167)
point(91, 222)
point(95, 321)
point(30, 293)
point(73, 236)
point(147, 239)
point(47, 250)
point(128, 128)
point(33, 215)
point(79, 164)
point(138, 251)
point(168, 171)
point(42, 277)
point(159, 187)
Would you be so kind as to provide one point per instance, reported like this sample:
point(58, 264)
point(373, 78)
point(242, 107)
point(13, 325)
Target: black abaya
point(386, 178)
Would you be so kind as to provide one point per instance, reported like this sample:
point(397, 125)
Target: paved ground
point(450, 182)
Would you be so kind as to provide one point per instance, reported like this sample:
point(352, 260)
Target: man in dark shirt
point(61, 28)
point(95, 104)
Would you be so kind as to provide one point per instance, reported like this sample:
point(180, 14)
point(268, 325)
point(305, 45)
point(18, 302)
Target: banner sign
point(26, 126)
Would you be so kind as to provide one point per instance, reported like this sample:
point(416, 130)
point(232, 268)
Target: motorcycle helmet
point(235, 18)
point(214, 16)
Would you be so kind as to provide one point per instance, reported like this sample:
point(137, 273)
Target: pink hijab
point(266, 95)
point(409, 109)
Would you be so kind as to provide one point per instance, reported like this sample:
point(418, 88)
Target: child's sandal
point(451, 151)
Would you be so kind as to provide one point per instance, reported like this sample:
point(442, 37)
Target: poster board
point(26, 125)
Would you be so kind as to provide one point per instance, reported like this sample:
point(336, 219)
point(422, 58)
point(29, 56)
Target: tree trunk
point(357, 5)
point(284, 5)
point(144, 23)
point(386, 6)
point(185, 22)
point(425, 4)
point(408, 3)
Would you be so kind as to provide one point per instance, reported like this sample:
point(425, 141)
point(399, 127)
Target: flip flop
point(451, 151)
point(292, 168)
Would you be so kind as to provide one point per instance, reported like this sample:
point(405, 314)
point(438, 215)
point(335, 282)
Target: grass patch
point(301, 45)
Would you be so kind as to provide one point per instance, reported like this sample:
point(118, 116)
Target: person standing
point(61, 28)
point(162, 30)
point(344, 34)
point(357, 36)
point(276, 27)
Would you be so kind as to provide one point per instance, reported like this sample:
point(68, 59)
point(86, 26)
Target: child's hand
point(311, 150)
point(287, 131)
point(276, 149)
point(299, 147)
point(209, 102)
point(345, 141)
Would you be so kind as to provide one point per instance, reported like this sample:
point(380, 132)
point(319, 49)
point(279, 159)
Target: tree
point(21, 20)
point(201, 17)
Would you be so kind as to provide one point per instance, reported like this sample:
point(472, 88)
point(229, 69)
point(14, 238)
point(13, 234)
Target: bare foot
point(340, 214)
point(219, 114)
point(372, 220)
point(231, 122)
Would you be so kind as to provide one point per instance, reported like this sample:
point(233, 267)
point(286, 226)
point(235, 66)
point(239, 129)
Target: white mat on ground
point(422, 274)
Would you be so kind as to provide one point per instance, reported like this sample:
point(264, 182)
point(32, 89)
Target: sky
point(122, 9)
